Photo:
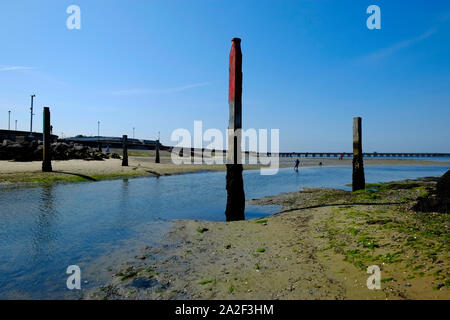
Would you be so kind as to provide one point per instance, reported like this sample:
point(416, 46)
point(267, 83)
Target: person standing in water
point(297, 162)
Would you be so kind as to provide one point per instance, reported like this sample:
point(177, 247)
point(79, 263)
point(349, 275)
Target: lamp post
point(9, 120)
point(16, 126)
point(133, 132)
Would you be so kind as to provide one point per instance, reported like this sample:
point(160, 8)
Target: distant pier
point(365, 154)
point(348, 155)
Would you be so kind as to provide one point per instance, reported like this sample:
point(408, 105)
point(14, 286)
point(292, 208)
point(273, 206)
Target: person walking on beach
point(297, 162)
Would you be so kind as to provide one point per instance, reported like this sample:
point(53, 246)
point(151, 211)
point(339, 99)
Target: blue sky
point(309, 67)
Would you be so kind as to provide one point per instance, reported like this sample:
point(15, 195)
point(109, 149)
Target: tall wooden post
point(235, 184)
point(359, 182)
point(157, 152)
point(125, 150)
point(47, 151)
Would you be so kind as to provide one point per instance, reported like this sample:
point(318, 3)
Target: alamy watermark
point(374, 281)
point(209, 147)
point(374, 20)
point(74, 280)
point(74, 20)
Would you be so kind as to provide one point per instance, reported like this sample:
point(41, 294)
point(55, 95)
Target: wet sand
point(142, 163)
point(318, 247)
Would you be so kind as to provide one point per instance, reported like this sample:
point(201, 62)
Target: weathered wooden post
point(157, 152)
point(47, 151)
point(234, 182)
point(125, 150)
point(359, 182)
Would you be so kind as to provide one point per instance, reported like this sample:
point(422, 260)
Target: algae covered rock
point(439, 199)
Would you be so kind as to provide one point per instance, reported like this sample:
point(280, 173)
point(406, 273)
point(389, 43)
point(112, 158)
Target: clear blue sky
point(309, 67)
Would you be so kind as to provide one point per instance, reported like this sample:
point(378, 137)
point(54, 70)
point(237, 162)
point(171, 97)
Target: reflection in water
point(44, 231)
point(125, 185)
point(125, 194)
point(158, 200)
point(124, 203)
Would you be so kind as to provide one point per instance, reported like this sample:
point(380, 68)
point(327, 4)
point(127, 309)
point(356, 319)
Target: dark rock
point(30, 150)
point(6, 142)
point(147, 283)
point(20, 139)
point(439, 199)
point(443, 186)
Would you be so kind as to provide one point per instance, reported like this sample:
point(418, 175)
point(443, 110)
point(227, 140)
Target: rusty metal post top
point(236, 40)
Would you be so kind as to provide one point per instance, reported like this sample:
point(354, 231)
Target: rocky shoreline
point(31, 150)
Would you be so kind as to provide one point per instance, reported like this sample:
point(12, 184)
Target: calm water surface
point(96, 225)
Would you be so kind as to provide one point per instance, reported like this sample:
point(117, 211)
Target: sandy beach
point(143, 163)
point(318, 247)
point(81, 170)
